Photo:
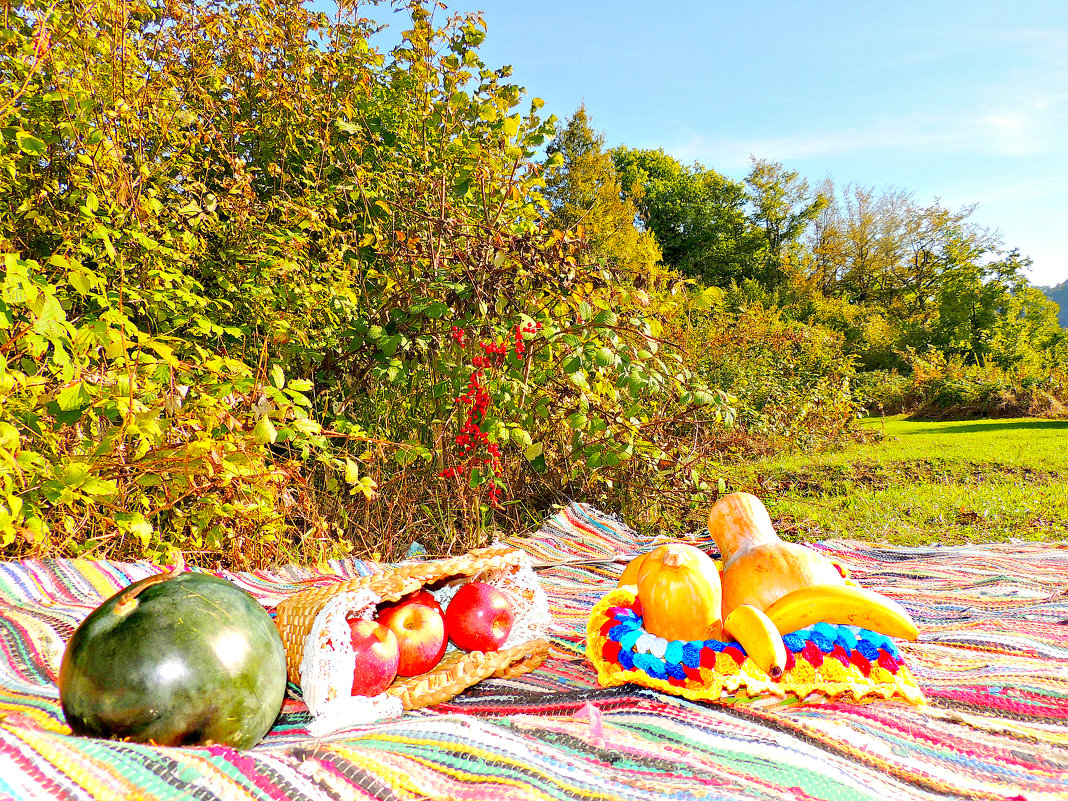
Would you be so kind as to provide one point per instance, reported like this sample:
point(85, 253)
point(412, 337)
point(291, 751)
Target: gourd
point(679, 591)
point(759, 567)
point(175, 660)
point(630, 572)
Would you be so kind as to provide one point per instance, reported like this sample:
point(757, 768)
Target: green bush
point(259, 276)
point(946, 387)
point(882, 391)
point(791, 381)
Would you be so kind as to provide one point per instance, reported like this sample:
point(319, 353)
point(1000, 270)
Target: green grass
point(925, 482)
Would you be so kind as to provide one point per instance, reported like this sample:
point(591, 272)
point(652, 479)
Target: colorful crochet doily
point(830, 660)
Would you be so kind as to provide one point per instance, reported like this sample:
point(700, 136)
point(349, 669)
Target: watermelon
point(184, 659)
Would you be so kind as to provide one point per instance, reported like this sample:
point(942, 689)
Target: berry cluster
point(520, 345)
point(472, 440)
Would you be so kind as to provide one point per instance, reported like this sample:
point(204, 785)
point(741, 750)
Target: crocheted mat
point(992, 662)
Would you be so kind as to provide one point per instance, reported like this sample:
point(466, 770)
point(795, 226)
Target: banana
point(841, 603)
point(759, 637)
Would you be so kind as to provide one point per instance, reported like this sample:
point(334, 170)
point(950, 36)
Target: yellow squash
point(630, 572)
point(679, 590)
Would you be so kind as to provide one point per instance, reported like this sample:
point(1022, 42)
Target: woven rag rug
point(992, 663)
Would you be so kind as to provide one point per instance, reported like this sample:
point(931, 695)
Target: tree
point(1059, 295)
point(826, 243)
point(582, 189)
point(696, 215)
point(987, 311)
point(780, 208)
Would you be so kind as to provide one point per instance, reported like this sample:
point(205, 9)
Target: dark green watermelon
point(181, 660)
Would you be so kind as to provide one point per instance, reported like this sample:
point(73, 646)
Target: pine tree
point(582, 189)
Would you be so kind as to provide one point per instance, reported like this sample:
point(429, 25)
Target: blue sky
point(966, 102)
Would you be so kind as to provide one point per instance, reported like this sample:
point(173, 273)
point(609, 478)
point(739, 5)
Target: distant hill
point(1059, 295)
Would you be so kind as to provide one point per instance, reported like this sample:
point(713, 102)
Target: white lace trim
point(329, 662)
point(328, 665)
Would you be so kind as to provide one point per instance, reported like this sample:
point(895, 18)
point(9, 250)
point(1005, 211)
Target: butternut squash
point(759, 567)
point(739, 521)
point(679, 590)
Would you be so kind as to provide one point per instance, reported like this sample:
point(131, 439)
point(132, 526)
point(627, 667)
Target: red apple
point(425, 597)
point(377, 657)
point(479, 617)
point(419, 624)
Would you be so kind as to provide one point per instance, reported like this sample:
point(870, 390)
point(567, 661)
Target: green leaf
point(389, 345)
point(74, 474)
point(573, 364)
point(136, 524)
point(73, 397)
point(352, 471)
point(278, 377)
point(367, 487)
point(264, 432)
point(66, 418)
point(306, 426)
point(99, 486)
point(14, 505)
point(9, 437)
point(101, 233)
point(81, 282)
point(30, 144)
point(165, 352)
point(705, 300)
point(604, 318)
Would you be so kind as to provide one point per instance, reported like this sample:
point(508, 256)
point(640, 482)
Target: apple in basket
point(377, 657)
point(419, 625)
point(479, 617)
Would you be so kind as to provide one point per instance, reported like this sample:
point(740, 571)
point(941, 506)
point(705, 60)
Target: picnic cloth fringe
point(992, 661)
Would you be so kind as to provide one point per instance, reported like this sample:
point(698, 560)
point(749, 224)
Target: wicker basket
point(509, 568)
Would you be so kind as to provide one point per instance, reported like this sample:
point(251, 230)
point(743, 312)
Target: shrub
point(882, 391)
point(240, 249)
point(945, 387)
point(791, 380)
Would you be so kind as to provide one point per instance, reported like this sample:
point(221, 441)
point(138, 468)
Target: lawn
point(923, 482)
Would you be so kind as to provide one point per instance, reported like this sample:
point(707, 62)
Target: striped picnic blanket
point(992, 661)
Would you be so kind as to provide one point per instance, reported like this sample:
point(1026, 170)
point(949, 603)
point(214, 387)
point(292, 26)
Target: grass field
point(926, 482)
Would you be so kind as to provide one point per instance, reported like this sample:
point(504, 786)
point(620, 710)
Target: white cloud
point(733, 153)
point(1023, 113)
point(1023, 124)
